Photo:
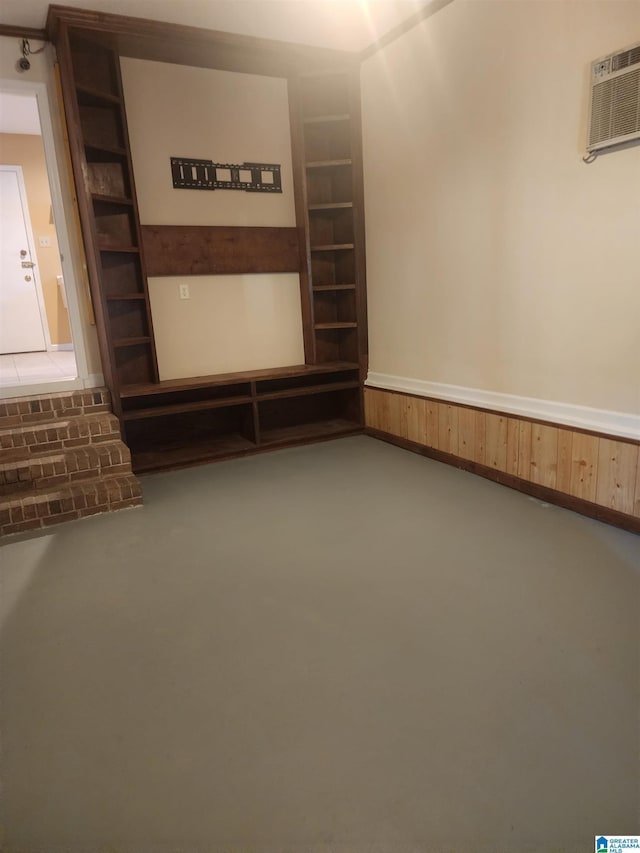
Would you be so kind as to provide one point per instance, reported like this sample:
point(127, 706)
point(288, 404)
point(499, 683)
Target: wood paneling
point(448, 428)
point(584, 466)
point(416, 419)
point(496, 447)
point(524, 450)
point(481, 436)
point(513, 432)
point(544, 455)
point(587, 469)
point(219, 250)
point(565, 445)
point(467, 433)
point(432, 423)
point(617, 475)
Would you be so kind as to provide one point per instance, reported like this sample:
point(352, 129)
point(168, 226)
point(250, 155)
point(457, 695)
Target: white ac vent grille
point(615, 99)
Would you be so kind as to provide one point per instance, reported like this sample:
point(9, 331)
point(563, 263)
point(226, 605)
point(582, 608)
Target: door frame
point(76, 322)
point(24, 202)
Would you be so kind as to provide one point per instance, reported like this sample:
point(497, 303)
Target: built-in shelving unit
point(187, 421)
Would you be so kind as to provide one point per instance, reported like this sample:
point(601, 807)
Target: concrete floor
point(331, 649)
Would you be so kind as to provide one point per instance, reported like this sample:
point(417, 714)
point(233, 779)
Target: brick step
point(58, 434)
point(35, 509)
point(26, 470)
point(20, 411)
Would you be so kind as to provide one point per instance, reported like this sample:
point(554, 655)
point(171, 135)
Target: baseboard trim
point(61, 348)
point(591, 510)
point(598, 421)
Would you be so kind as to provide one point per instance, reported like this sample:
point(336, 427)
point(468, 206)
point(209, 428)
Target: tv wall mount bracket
point(189, 174)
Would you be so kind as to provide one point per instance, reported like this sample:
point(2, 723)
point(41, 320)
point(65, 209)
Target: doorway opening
point(41, 346)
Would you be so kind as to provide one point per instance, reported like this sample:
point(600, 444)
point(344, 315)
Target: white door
point(21, 326)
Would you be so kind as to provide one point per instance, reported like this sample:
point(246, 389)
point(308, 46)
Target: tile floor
point(30, 368)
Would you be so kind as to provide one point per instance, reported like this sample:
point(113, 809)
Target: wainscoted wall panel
point(583, 470)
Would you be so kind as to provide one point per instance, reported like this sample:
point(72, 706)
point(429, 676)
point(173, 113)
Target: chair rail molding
point(620, 424)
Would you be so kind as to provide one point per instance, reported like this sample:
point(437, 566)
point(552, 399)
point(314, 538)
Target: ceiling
point(338, 24)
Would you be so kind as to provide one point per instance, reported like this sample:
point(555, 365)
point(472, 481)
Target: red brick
point(21, 527)
point(80, 501)
point(58, 519)
point(75, 442)
point(17, 514)
point(55, 507)
point(67, 504)
point(93, 510)
point(125, 503)
point(51, 482)
point(52, 445)
point(42, 509)
point(29, 510)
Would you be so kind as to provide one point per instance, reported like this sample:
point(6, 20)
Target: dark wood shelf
point(322, 288)
point(90, 97)
point(163, 458)
point(310, 431)
point(120, 343)
point(304, 392)
point(127, 297)
point(328, 164)
point(117, 201)
point(326, 119)
point(132, 250)
point(298, 370)
point(181, 408)
point(332, 247)
point(334, 205)
point(101, 148)
point(336, 326)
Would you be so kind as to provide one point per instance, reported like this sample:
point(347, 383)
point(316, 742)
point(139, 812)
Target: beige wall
point(230, 322)
point(497, 260)
point(27, 151)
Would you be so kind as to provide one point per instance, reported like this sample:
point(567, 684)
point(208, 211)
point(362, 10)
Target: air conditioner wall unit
point(614, 114)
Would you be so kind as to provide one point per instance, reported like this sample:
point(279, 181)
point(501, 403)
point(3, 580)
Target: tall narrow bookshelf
point(329, 106)
point(107, 202)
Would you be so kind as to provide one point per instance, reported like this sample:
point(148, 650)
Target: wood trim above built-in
point(596, 475)
point(219, 250)
point(23, 32)
point(161, 41)
point(600, 421)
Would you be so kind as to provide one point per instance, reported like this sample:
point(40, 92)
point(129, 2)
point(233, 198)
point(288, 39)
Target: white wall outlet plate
point(183, 290)
point(44, 242)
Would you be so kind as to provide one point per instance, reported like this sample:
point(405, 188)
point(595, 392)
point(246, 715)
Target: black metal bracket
point(188, 174)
